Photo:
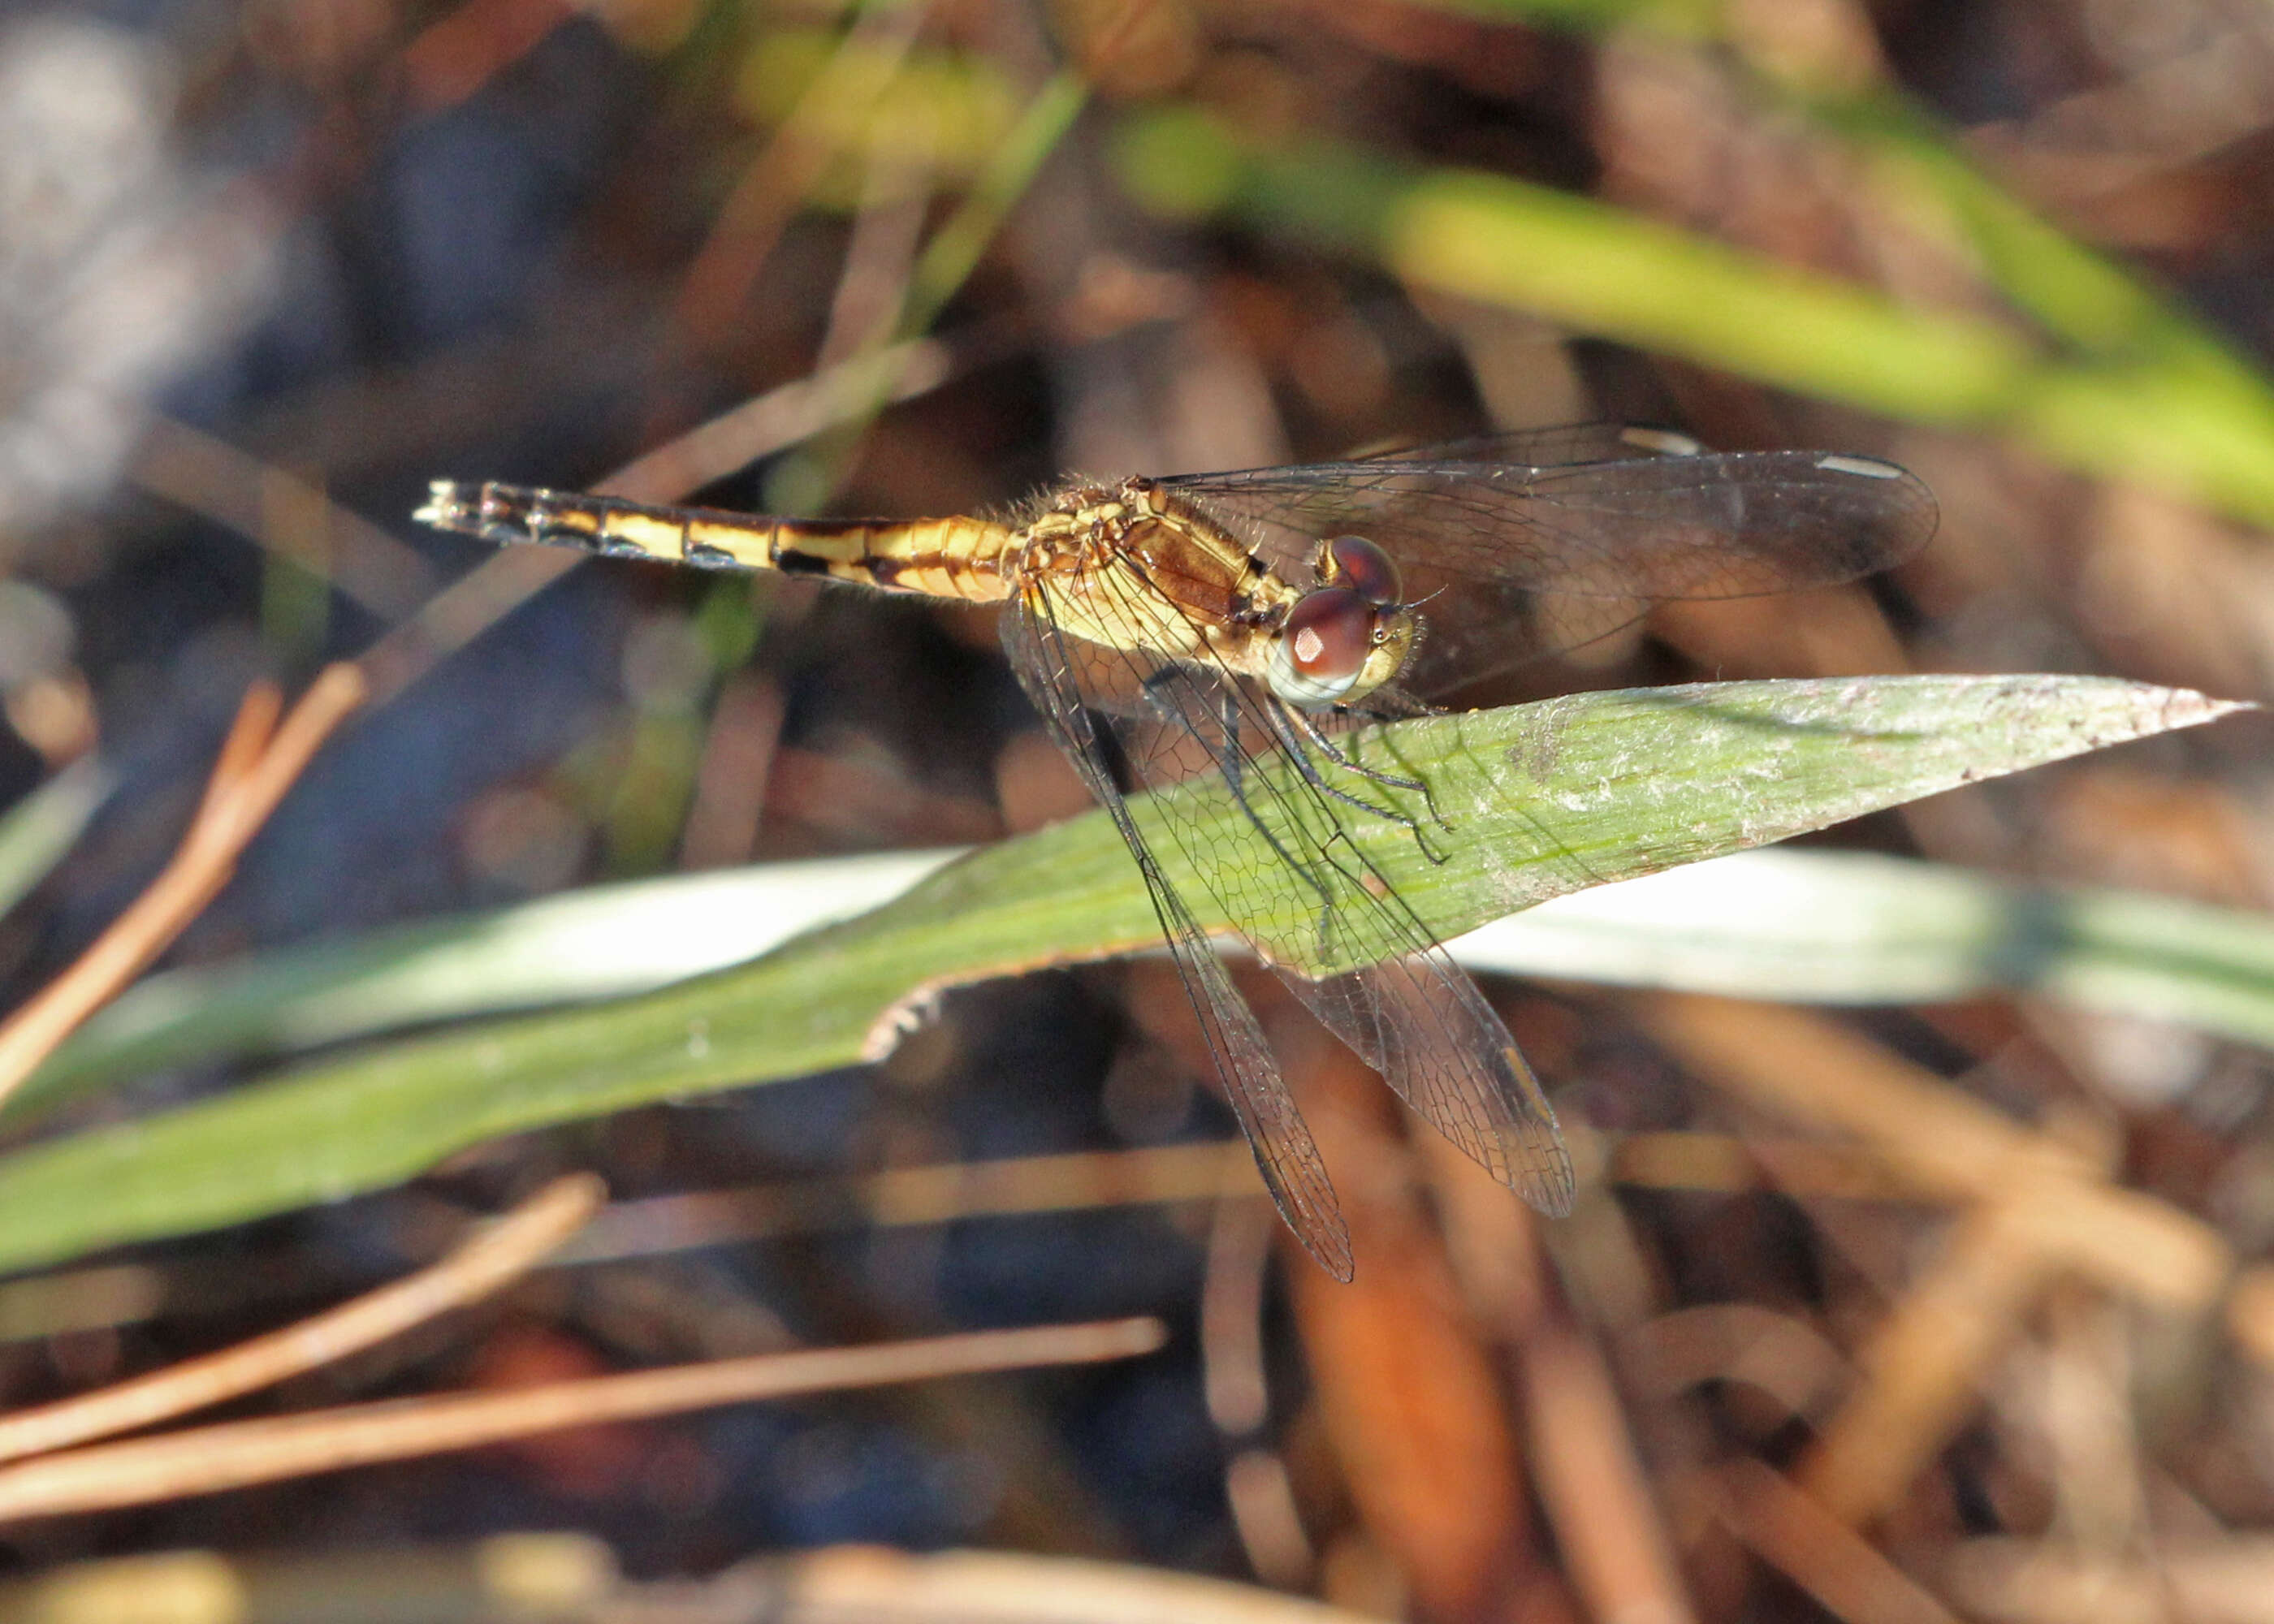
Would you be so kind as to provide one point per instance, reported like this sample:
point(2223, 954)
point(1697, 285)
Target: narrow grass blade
point(605, 942)
point(1802, 926)
point(1543, 799)
point(38, 830)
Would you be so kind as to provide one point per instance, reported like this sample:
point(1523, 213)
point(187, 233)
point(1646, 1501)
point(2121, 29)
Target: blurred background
point(267, 267)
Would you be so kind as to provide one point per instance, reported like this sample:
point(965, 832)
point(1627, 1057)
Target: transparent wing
point(1512, 557)
point(1708, 525)
point(1558, 446)
point(1422, 1023)
point(1048, 662)
point(1288, 874)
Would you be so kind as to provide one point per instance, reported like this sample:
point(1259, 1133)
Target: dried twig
point(954, 1587)
point(206, 1460)
point(1407, 1385)
point(763, 201)
point(2200, 1580)
point(259, 762)
point(1591, 1480)
point(803, 407)
point(500, 1253)
point(1924, 1365)
point(284, 512)
point(1819, 1552)
point(2034, 1211)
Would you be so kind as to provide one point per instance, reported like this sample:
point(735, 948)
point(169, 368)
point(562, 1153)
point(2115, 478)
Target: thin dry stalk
point(259, 762)
point(499, 584)
point(1257, 1488)
point(110, 1296)
point(207, 1460)
point(760, 208)
point(1581, 1451)
point(230, 486)
point(1924, 1364)
point(461, 612)
point(1591, 1481)
point(1408, 1388)
point(783, 416)
point(1232, 1377)
point(2228, 1581)
point(955, 1587)
point(500, 1253)
point(1070, 1181)
point(880, 255)
point(2250, 1312)
point(1820, 1554)
point(2036, 1210)
point(1813, 1070)
point(1779, 1356)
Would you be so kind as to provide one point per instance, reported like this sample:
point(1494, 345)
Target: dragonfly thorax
point(1131, 564)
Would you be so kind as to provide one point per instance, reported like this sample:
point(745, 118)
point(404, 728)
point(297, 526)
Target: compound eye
point(1322, 647)
point(1366, 569)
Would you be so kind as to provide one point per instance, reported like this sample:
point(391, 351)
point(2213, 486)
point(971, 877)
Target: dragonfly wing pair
point(1281, 866)
point(1514, 547)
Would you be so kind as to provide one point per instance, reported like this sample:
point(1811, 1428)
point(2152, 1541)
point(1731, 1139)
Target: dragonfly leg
point(1323, 742)
point(1294, 729)
point(1232, 765)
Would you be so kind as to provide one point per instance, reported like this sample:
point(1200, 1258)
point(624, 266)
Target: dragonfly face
point(1346, 638)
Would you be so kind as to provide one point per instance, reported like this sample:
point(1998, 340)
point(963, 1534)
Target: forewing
point(1717, 525)
point(1052, 668)
point(1559, 446)
point(1293, 879)
point(1511, 560)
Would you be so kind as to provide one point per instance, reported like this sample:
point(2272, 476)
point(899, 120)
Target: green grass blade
point(1544, 799)
point(1795, 925)
point(604, 942)
point(39, 828)
point(1802, 926)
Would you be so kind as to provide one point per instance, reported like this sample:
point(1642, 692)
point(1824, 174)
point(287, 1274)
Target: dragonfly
point(1248, 628)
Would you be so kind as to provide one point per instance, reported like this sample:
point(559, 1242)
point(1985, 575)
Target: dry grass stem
point(2227, 1580)
point(781, 417)
point(284, 513)
point(110, 1296)
point(499, 1253)
point(762, 203)
point(1069, 1182)
point(869, 1583)
point(2034, 1210)
point(259, 762)
point(1593, 1483)
point(1820, 1554)
point(1408, 1388)
point(459, 612)
point(1932, 1134)
point(735, 438)
point(207, 1460)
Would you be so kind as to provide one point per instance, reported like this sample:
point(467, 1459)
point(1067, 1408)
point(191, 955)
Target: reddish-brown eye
point(1322, 647)
point(1328, 633)
point(1366, 570)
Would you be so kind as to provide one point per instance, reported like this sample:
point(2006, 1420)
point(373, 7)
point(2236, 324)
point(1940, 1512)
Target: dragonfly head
point(1347, 637)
